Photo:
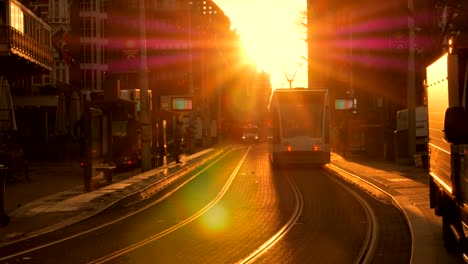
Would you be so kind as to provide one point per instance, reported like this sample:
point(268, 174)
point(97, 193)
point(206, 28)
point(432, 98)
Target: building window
point(86, 53)
point(17, 19)
point(85, 5)
point(133, 4)
point(93, 5)
point(37, 79)
point(55, 8)
point(86, 27)
point(92, 32)
point(86, 79)
point(104, 6)
point(158, 4)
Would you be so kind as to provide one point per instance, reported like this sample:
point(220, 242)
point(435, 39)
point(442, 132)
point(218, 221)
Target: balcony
point(19, 52)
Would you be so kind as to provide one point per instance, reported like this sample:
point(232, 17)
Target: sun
point(272, 38)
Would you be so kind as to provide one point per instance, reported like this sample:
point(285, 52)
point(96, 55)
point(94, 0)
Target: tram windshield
point(301, 115)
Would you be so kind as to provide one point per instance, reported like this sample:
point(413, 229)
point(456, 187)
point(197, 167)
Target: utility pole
point(193, 114)
point(411, 94)
point(190, 5)
point(144, 100)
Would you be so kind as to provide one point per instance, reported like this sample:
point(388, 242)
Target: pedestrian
point(343, 136)
point(178, 139)
point(187, 141)
point(334, 136)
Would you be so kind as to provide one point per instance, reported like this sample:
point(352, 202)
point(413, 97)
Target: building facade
point(25, 51)
point(95, 52)
point(189, 56)
point(371, 55)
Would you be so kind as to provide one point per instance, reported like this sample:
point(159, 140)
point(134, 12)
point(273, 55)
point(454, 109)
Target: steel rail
point(284, 230)
point(370, 244)
point(190, 219)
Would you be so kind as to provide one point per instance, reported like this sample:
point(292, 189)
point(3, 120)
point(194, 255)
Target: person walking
point(179, 137)
point(343, 138)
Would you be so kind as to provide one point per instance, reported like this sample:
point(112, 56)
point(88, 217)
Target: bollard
point(4, 219)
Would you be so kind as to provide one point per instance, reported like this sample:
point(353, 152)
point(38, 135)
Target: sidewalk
point(56, 203)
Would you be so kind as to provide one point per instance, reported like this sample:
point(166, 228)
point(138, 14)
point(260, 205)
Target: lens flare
point(216, 219)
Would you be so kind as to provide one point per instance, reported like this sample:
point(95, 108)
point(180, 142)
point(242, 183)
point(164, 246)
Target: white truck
point(421, 121)
point(446, 88)
point(421, 126)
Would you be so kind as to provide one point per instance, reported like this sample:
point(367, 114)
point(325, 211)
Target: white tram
point(300, 127)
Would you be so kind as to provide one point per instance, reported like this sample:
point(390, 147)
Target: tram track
point(369, 245)
point(150, 239)
point(283, 231)
point(365, 255)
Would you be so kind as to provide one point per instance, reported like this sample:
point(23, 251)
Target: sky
point(272, 37)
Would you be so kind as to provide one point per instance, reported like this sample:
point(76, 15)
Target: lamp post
point(191, 81)
point(145, 119)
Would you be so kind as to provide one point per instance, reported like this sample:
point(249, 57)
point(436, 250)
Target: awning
point(121, 109)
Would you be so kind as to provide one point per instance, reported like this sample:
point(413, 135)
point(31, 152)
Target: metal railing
point(25, 46)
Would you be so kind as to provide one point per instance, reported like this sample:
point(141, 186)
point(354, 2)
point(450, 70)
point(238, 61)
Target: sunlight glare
point(271, 35)
point(215, 219)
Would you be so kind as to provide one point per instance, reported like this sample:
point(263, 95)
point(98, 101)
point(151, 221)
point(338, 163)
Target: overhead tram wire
point(290, 80)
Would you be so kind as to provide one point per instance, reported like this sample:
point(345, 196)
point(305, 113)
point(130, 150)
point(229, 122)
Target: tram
point(300, 127)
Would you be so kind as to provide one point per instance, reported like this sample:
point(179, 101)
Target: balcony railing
point(26, 47)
